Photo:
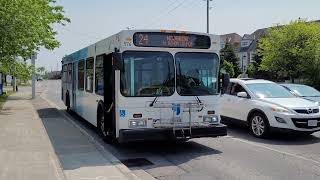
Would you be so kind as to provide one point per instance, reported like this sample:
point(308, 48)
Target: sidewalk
point(25, 152)
point(38, 143)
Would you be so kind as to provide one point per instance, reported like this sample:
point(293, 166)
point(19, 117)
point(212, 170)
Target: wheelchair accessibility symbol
point(176, 108)
point(122, 113)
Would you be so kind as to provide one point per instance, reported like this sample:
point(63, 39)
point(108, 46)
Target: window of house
point(89, 75)
point(99, 83)
point(81, 75)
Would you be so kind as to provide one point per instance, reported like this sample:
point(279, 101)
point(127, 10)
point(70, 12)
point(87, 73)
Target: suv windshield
point(147, 74)
point(197, 73)
point(269, 90)
point(303, 90)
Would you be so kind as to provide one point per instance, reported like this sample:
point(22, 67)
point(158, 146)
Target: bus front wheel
point(102, 127)
point(101, 123)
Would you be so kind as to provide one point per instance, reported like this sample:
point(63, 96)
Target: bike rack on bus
point(181, 130)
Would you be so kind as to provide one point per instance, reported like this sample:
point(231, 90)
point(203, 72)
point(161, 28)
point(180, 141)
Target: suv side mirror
point(242, 94)
point(225, 82)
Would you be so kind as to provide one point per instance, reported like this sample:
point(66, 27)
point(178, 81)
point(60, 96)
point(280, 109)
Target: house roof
point(231, 37)
point(255, 36)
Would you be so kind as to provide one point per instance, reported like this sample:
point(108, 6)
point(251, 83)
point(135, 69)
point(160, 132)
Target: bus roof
point(124, 41)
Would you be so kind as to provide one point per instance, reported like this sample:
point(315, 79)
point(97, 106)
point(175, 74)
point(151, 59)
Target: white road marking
point(275, 150)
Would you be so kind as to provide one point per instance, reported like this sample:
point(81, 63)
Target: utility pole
point(208, 8)
point(33, 63)
point(208, 15)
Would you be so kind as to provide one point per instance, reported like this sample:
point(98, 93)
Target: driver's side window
point(235, 88)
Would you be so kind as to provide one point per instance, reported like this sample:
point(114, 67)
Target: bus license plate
point(312, 123)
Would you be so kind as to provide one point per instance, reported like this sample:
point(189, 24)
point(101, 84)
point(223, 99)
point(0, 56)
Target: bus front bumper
point(158, 134)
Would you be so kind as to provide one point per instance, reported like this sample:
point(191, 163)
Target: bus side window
point(64, 78)
point(89, 75)
point(81, 75)
point(69, 80)
point(99, 81)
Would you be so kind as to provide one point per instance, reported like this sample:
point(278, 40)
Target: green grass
point(3, 98)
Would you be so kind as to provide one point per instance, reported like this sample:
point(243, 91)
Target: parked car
point(267, 107)
point(303, 91)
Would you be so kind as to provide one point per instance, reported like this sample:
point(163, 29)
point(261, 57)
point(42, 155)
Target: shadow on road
point(182, 151)
point(242, 132)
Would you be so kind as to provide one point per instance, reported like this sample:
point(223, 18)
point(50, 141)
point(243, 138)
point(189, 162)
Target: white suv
point(266, 106)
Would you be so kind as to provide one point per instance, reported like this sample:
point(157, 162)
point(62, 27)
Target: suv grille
point(303, 123)
point(307, 111)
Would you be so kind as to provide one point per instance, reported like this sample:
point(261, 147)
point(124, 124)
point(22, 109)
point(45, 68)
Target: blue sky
point(93, 20)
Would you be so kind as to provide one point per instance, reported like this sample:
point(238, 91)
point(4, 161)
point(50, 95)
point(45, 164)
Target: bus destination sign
point(171, 40)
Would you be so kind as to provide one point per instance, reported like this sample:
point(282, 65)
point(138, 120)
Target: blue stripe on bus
point(79, 55)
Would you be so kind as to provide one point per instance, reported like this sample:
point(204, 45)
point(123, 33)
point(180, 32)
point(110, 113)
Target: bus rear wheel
point(101, 124)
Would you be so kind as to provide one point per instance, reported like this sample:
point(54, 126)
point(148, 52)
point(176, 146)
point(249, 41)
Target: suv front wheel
point(259, 125)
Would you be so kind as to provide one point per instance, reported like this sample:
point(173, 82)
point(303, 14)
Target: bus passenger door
point(109, 93)
point(74, 84)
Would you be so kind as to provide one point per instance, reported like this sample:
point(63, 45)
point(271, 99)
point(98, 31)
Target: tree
point(252, 69)
point(229, 68)
point(227, 54)
point(292, 50)
point(17, 68)
point(27, 25)
point(41, 70)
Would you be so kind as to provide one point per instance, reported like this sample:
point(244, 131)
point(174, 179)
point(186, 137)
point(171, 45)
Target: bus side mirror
point(116, 60)
point(225, 82)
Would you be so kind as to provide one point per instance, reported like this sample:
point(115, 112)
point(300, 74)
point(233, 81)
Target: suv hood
point(291, 102)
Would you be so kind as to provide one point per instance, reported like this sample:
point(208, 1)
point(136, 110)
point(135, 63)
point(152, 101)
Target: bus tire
point(101, 122)
point(101, 127)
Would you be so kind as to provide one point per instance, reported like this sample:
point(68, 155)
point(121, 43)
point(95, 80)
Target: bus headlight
point(137, 123)
point(211, 119)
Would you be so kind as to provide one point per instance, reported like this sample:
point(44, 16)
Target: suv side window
point(236, 88)
point(229, 88)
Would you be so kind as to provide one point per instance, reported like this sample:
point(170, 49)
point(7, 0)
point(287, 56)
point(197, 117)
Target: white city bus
point(147, 85)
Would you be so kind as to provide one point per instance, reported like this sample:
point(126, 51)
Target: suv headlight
point(279, 109)
point(211, 119)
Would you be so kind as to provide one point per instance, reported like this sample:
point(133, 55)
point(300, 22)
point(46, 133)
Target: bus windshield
point(146, 73)
point(197, 73)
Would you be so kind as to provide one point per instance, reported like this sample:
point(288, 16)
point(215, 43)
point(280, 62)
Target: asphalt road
point(237, 156)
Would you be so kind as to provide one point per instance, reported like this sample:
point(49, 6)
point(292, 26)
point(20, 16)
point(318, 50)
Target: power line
point(177, 6)
point(170, 11)
point(192, 6)
point(172, 6)
point(160, 12)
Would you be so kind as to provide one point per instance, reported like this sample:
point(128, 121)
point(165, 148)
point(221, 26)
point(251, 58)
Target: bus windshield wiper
point(154, 100)
point(199, 101)
point(166, 81)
